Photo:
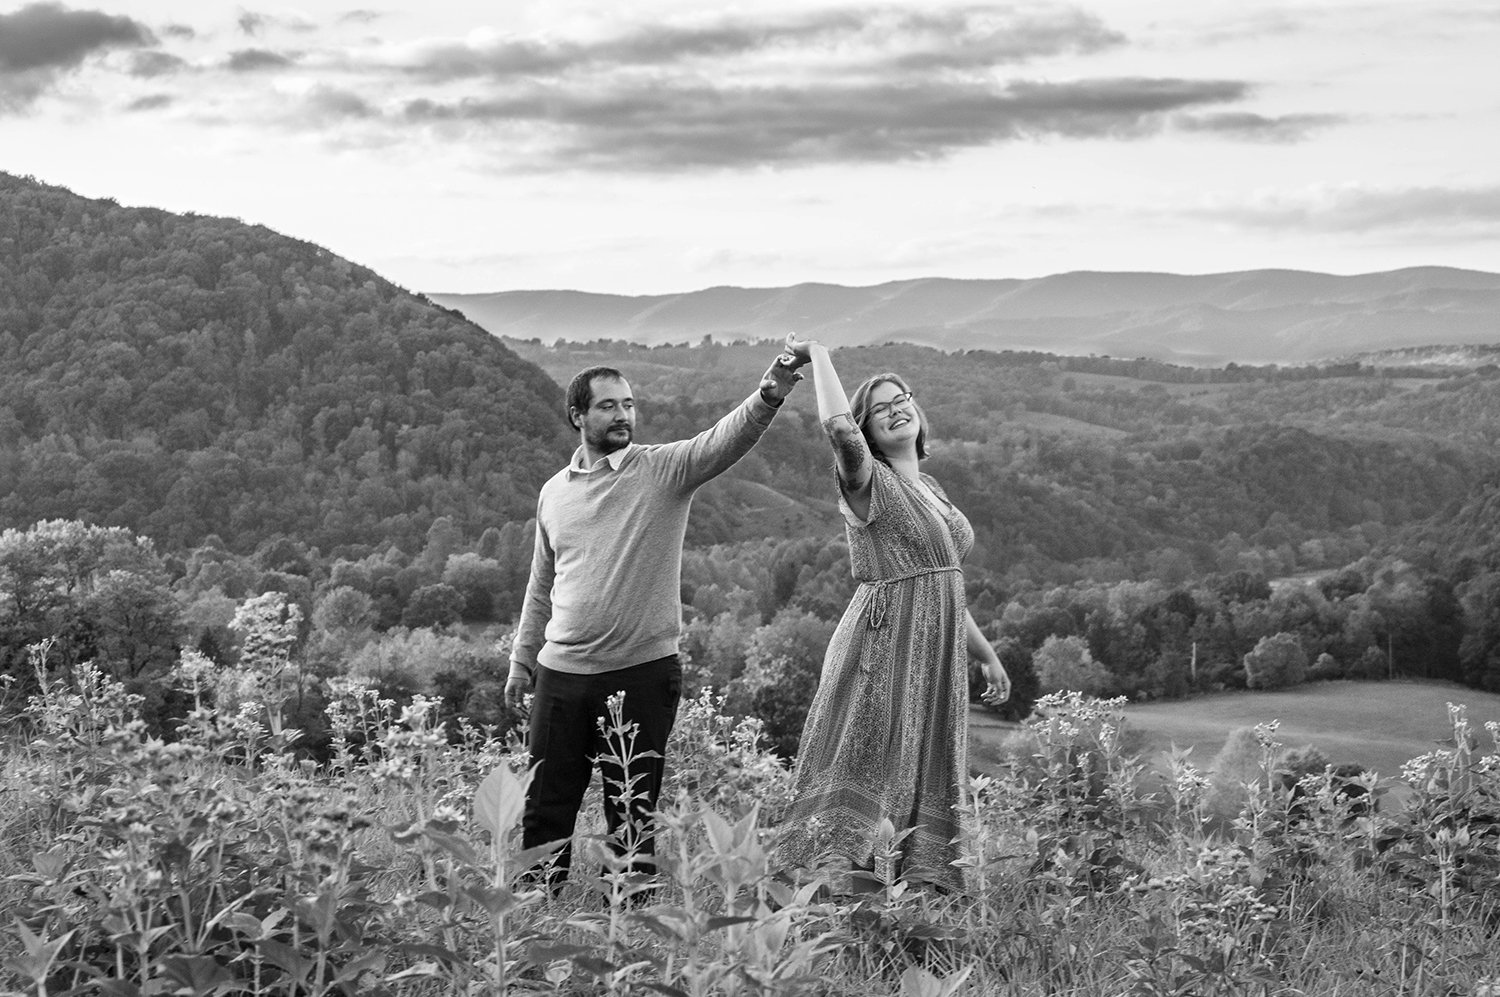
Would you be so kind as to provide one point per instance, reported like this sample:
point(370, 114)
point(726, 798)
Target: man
point(603, 608)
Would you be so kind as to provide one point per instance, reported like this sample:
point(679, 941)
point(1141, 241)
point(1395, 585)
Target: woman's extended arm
point(850, 452)
point(994, 672)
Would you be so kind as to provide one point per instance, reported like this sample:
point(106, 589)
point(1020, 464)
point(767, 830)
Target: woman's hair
point(581, 389)
point(859, 410)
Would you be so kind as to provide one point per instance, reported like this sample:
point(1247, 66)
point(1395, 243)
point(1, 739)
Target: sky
point(660, 146)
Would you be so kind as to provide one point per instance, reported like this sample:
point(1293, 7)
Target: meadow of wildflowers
point(226, 861)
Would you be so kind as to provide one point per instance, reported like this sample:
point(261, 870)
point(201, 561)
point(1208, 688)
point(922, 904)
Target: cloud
point(1258, 127)
point(664, 128)
point(41, 41)
point(250, 60)
point(1363, 210)
point(324, 104)
point(154, 62)
point(182, 31)
point(882, 38)
point(154, 102)
point(847, 84)
point(256, 23)
point(50, 36)
point(875, 84)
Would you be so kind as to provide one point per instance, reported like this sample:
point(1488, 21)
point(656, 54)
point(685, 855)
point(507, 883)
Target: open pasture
point(1379, 725)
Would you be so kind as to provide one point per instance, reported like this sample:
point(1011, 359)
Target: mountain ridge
point(191, 376)
point(1252, 316)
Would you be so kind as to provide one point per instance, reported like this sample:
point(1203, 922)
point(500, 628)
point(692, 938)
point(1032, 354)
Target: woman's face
point(893, 420)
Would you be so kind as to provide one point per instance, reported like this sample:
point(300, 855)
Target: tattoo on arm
point(851, 453)
point(834, 423)
point(849, 449)
point(850, 458)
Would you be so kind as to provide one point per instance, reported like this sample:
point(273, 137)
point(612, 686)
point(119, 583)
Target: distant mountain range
point(1256, 316)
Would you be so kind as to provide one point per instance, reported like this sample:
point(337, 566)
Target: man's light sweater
point(606, 570)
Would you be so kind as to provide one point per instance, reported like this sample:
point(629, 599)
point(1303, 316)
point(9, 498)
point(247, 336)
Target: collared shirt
point(606, 567)
point(615, 458)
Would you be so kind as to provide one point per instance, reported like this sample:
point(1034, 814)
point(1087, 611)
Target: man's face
point(609, 423)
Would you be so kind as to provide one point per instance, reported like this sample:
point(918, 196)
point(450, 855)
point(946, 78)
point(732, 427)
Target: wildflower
point(195, 670)
point(1424, 770)
point(1459, 720)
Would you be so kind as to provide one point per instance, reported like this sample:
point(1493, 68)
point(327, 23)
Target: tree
point(1064, 664)
point(1276, 662)
point(50, 575)
point(344, 609)
point(1025, 687)
point(137, 625)
point(716, 647)
point(782, 664)
point(436, 606)
point(1479, 651)
point(478, 580)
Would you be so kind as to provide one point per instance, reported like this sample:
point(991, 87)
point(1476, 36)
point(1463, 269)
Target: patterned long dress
point(886, 736)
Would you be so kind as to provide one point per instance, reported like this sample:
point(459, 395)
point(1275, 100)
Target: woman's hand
point(998, 690)
point(799, 350)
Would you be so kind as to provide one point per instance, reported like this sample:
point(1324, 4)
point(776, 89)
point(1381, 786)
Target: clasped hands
point(782, 375)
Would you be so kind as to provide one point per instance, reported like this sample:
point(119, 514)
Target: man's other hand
point(517, 688)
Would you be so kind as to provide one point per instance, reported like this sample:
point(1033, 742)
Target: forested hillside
point(188, 376)
point(1090, 467)
point(204, 424)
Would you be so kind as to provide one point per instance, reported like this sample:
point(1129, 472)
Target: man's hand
point(782, 376)
point(516, 690)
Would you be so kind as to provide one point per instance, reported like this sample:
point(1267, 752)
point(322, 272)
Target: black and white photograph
point(919, 498)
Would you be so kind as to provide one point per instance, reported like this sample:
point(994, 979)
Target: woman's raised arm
point(850, 452)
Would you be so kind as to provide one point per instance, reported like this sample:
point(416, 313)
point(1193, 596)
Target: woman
point(887, 736)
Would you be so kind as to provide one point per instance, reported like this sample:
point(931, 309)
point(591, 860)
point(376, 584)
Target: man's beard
point(607, 442)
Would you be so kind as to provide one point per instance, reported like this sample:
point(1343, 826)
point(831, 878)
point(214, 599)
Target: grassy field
point(221, 863)
point(1378, 725)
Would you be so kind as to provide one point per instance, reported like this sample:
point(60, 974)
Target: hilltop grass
point(222, 863)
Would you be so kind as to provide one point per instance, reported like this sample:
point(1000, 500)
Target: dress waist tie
point(877, 597)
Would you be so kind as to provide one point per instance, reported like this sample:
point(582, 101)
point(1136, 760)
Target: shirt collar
point(615, 459)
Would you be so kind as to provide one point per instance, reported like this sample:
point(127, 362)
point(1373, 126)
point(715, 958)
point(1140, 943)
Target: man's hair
point(859, 410)
point(581, 389)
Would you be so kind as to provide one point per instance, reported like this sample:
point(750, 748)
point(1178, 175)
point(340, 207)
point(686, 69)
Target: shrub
point(433, 606)
point(782, 666)
point(1064, 664)
point(1242, 768)
point(1325, 668)
point(1276, 662)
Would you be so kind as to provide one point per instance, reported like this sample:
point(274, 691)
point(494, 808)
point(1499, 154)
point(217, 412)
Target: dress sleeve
point(884, 489)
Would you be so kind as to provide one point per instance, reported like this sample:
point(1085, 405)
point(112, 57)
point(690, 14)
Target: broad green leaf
point(499, 800)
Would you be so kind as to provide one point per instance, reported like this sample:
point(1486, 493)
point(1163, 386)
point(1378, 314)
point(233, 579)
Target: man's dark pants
point(566, 741)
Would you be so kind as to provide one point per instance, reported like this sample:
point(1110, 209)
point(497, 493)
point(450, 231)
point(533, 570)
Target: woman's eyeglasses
point(885, 408)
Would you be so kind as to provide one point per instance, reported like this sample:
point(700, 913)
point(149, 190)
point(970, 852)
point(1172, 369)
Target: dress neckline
point(936, 502)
